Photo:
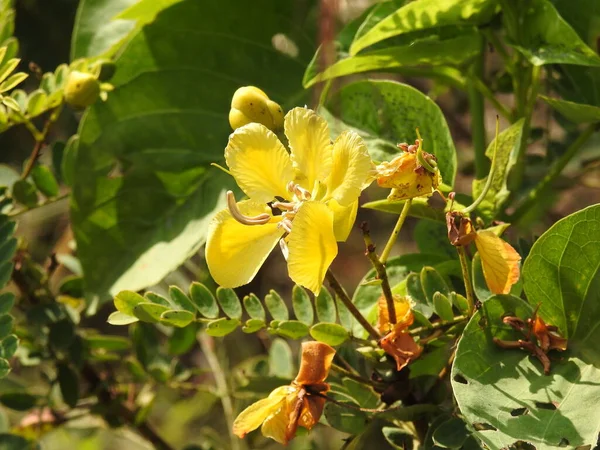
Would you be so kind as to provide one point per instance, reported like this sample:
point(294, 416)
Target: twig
point(40, 140)
point(337, 287)
point(467, 279)
point(438, 325)
point(381, 272)
point(207, 345)
point(554, 171)
point(348, 374)
point(392, 240)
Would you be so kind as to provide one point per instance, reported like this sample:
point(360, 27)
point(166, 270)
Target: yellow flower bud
point(82, 89)
point(406, 177)
point(250, 104)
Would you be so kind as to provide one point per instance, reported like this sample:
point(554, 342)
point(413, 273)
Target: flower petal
point(312, 245)
point(352, 169)
point(343, 218)
point(315, 363)
point(404, 315)
point(308, 135)
point(402, 347)
point(500, 262)
point(235, 252)
point(255, 414)
point(259, 163)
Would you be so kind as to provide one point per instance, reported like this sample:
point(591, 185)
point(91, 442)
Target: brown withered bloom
point(398, 343)
point(294, 405)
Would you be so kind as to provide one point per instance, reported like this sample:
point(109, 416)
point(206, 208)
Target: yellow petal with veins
point(312, 245)
point(255, 414)
point(235, 252)
point(259, 163)
point(310, 145)
point(343, 218)
point(500, 262)
point(351, 169)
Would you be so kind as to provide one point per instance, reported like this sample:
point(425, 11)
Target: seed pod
point(82, 89)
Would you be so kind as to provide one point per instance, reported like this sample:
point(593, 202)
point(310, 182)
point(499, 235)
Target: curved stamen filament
point(241, 218)
point(286, 224)
point(299, 191)
point(284, 248)
point(284, 206)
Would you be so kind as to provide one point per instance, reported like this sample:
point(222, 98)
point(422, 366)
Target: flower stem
point(467, 279)
point(392, 240)
point(40, 139)
point(346, 373)
point(337, 287)
point(554, 171)
point(208, 348)
point(381, 273)
point(438, 325)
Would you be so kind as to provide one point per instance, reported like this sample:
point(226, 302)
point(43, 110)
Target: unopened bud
point(82, 89)
point(250, 104)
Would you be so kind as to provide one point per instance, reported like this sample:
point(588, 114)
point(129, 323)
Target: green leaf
point(544, 37)
point(280, 360)
point(12, 81)
point(8, 346)
point(562, 273)
point(149, 312)
point(110, 343)
point(44, 180)
point(432, 237)
point(181, 300)
point(94, 35)
point(68, 383)
point(276, 306)
point(397, 437)
point(253, 325)
point(119, 318)
point(61, 334)
point(460, 302)
point(575, 112)
point(364, 395)
point(508, 146)
point(8, 249)
point(73, 286)
point(162, 127)
point(303, 308)
point(329, 333)
point(432, 282)
point(451, 434)
point(414, 289)
point(204, 300)
point(230, 303)
point(346, 319)
point(6, 325)
point(442, 306)
point(125, 301)
point(386, 112)
point(19, 401)
point(425, 14)
point(222, 327)
point(506, 393)
point(345, 419)
point(479, 284)
point(37, 103)
point(25, 193)
point(153, 297)
point(445, 50)
point(325, 306)
point(14, 442)
point(254, 307)
point(292, 329)
point(177, 318)
point(182, 340)
point(6, 270)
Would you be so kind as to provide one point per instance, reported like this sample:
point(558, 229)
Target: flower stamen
point(299, 191)
point(241, 218)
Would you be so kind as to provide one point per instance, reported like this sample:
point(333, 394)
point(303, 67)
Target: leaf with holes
point(504, 394)
point(143, 189)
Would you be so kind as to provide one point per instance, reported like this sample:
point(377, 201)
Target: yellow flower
point(306, 200)
point(499, 260)
point(289, 407)
point(406, 176)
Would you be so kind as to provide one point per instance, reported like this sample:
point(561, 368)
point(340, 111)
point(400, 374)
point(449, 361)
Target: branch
point(40, 140)
point(381, 272)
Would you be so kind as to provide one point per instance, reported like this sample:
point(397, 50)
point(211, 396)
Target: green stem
point(482, 163)
point(208, 348)
point(40, 139)
point(381, 273)
point(438, 325)
point(554, 172)
point(467, 280)
point(341, 293)
point(346, 373)
point(394, 236)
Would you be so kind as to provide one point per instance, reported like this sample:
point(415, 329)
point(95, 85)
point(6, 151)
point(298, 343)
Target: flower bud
point(82, 89)
point(407, 177)
point(250, 104)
